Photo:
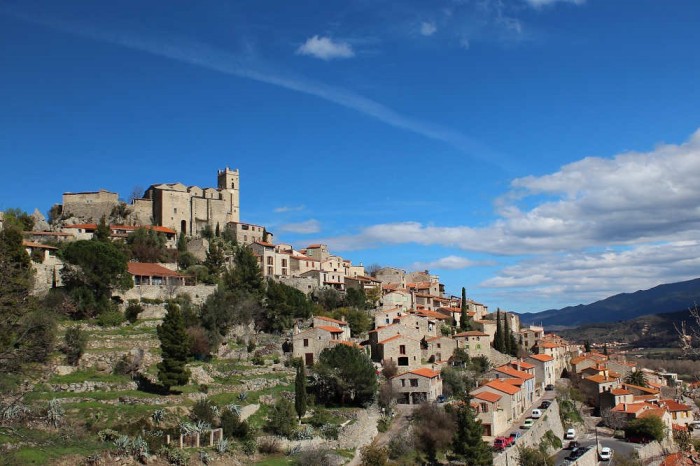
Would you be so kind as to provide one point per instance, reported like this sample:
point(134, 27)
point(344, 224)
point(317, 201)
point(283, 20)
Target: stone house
point(386, 317)
point(528, 337)
point(247, 233)
point(360, 282)
point(46, 266)
point(318, 252)
point(154, 274)
point(417, 386)
point(511, 401)
point(489, 411)
point(89, 206)
point(486, 326)
point(545, 373)
point(391, 275)
point(341, 324)
point(397, 298)
point(335, 280)
point(438, 349)
point(404, 351)
point(593, 385)
point(474, 342)
point(419, 323)
point(527, 387)
point(301, 264)
point(308, 344)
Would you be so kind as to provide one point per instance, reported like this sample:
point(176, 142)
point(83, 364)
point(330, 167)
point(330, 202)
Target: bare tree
point(689, 337)
point(137, 192)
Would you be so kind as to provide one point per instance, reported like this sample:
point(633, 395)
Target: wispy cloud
point(445, 263)
point(325, 48)
point(543, 3)
point(307, 227)
point(284, 209)
point(215, 59)
point(428, 29)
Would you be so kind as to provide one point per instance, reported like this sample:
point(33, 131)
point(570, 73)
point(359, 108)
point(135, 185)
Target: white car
point(605, 454)
point(536, 414)
point(570, 434)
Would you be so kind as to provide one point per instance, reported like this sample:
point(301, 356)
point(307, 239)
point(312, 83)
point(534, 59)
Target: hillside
point(650, 331)
point(672, 297)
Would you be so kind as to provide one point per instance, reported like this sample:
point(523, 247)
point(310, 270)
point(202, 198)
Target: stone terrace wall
point(89, 206)
point(198, 293)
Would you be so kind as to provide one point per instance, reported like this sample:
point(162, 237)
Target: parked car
point(573, 444)
point(549, 387)
point(575, 454)
point(545, 404)
point(441, 399)
point(528, 423)
point(501, 443)
point(570, 434)
point(514, 436)
point(536, 414)
point(605, 454)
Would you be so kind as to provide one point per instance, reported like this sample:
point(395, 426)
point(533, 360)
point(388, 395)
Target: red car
point(501, 443)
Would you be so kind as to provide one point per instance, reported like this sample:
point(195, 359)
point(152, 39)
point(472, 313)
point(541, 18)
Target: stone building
point(90, 206)
point(190, 209)
point(417, 386)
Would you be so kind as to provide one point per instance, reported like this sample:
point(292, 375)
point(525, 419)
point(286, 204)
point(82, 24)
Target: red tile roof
point(488, 396)
point(507, 370)
point(32, 244)
point(395, 337)
point(146, 269)
point(425, 372)
point(503, 387)
point(541, 357)
point(329, 319)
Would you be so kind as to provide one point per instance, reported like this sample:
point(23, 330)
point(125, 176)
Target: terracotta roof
point(471, 333)
point(265, 244)
point(620, 391)
point(433, 314)
point(631, 408)
point(314, 246)
point(32, 244)
point(523, 364)
point(600, 379)
point(514, 373)
point(157, 228)
point(644, 397)
point(546, 344)
point(680, 459)
point(651, 391)
point(46, 233)
point(425, 372)
point(84, 226)
point(673, 405)
point(503, 387)
point(328, 328)
point(579, 359)
point(395, 337)
point(541, 357)
point(346, 343)
point(514, 381)
point(488, 396)
point(379, 328)
point(328, 319)
point(147, 269)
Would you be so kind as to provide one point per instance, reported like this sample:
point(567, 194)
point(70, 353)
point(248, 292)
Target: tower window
point(233, 185)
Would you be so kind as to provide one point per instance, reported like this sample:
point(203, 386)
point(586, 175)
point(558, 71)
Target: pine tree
point(300, 391)
point(467, 441)
point(172, 370)
point(605, 349)
point(587, 346)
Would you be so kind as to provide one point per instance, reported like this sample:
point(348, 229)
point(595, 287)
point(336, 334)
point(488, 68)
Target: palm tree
point(636, 378)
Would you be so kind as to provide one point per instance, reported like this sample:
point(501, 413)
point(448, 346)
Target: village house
point(439, 349)
point(507, 372)
point(386, 317)
point(154, 274)
point(593, 385)
point(474, 342)
point(511, 401)
point(545, 373)
point(404, 351)
point(493, 416)
point(393, 298)
point(528, 337)
point(417, 386)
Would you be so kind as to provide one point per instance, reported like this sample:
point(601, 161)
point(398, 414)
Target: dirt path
point(400, 423)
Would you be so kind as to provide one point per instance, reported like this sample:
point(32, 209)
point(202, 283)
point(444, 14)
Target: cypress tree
point(510, 345)
point(182, 242)
point(463, 317)
point(498, 340)
point(300, 391)
point(174, 349)
point(103, 231)
point(605, 349)
point(467, 441)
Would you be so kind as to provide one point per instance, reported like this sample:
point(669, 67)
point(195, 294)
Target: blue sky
point(540, 153)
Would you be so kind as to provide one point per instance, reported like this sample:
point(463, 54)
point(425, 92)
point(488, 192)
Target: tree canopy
point(648, 427)
point(172, 369)
point(346, 375)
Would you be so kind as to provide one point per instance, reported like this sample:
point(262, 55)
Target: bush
point(203, 411)
point(330, 431)
point(174, 456)
point(75, 341)
point(251, 346)
point(110, 318)
point(132, 312)
point(317, 457)
point(269, 446)
point(249, 447)
point(383, 424)
point(373, 455)
point(258, 359)
point(400, 445)
point(282, 418)
point(233, 426)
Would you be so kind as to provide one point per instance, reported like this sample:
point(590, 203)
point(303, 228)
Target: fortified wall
point(90, 206)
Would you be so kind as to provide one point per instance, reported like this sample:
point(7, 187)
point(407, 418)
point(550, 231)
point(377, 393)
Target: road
point(619, 447)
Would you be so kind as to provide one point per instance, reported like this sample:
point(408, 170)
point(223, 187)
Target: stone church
point(182, 208)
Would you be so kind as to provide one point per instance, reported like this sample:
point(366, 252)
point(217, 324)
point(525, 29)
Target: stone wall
point(198, 293)
point(531, 437)
point(89, 207)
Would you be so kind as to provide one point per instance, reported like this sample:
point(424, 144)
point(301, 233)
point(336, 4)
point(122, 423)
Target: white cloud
point(428, 29)
point(632, 198)
point(445, 263)
point(289, 209)
point(307, 227)
point(325, 48)
point(543, 3)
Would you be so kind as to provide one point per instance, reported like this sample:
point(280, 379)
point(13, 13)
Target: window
point(269, 271)
point(269, 260)
point(402, 349)
point(403, 382)
point(403, 361)
point(484, 408)
point(439, 346)
point(414, 382)
point(306, 342)
point(284, 262)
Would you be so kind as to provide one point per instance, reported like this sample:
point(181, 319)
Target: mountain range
point(667, 298)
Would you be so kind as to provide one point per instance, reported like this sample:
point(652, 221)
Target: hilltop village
point(256, 314)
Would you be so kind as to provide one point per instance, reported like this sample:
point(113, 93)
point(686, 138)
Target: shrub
point(317, 457)
point(373, 455)
point(75, 341)
point(203, 411)
point(233, 426)
point(249, 447)
point(251, 346)
point(282, 418)
point(222, 446)
point(330, 431)
point(304, 432)
point(132, 311)
point(110, 318)
point(320, 417)
point(269, 446)
point(389, 369)
point(174, 456)
point(258, 359)
point(107, 435)
point(383, 424)
point(400, 445)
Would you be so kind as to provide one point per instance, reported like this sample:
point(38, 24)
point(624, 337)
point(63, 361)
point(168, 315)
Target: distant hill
point(672, 297)
point(650, 331)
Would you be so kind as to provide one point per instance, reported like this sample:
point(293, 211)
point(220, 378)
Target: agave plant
point(222, 446)
point(242, 396)
point(158, 416)
point(14, 412)
point(187, 427)
point(139, 448)
point(202, 426)
point(234, 408)
point(204, 457)
point(122, 444)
